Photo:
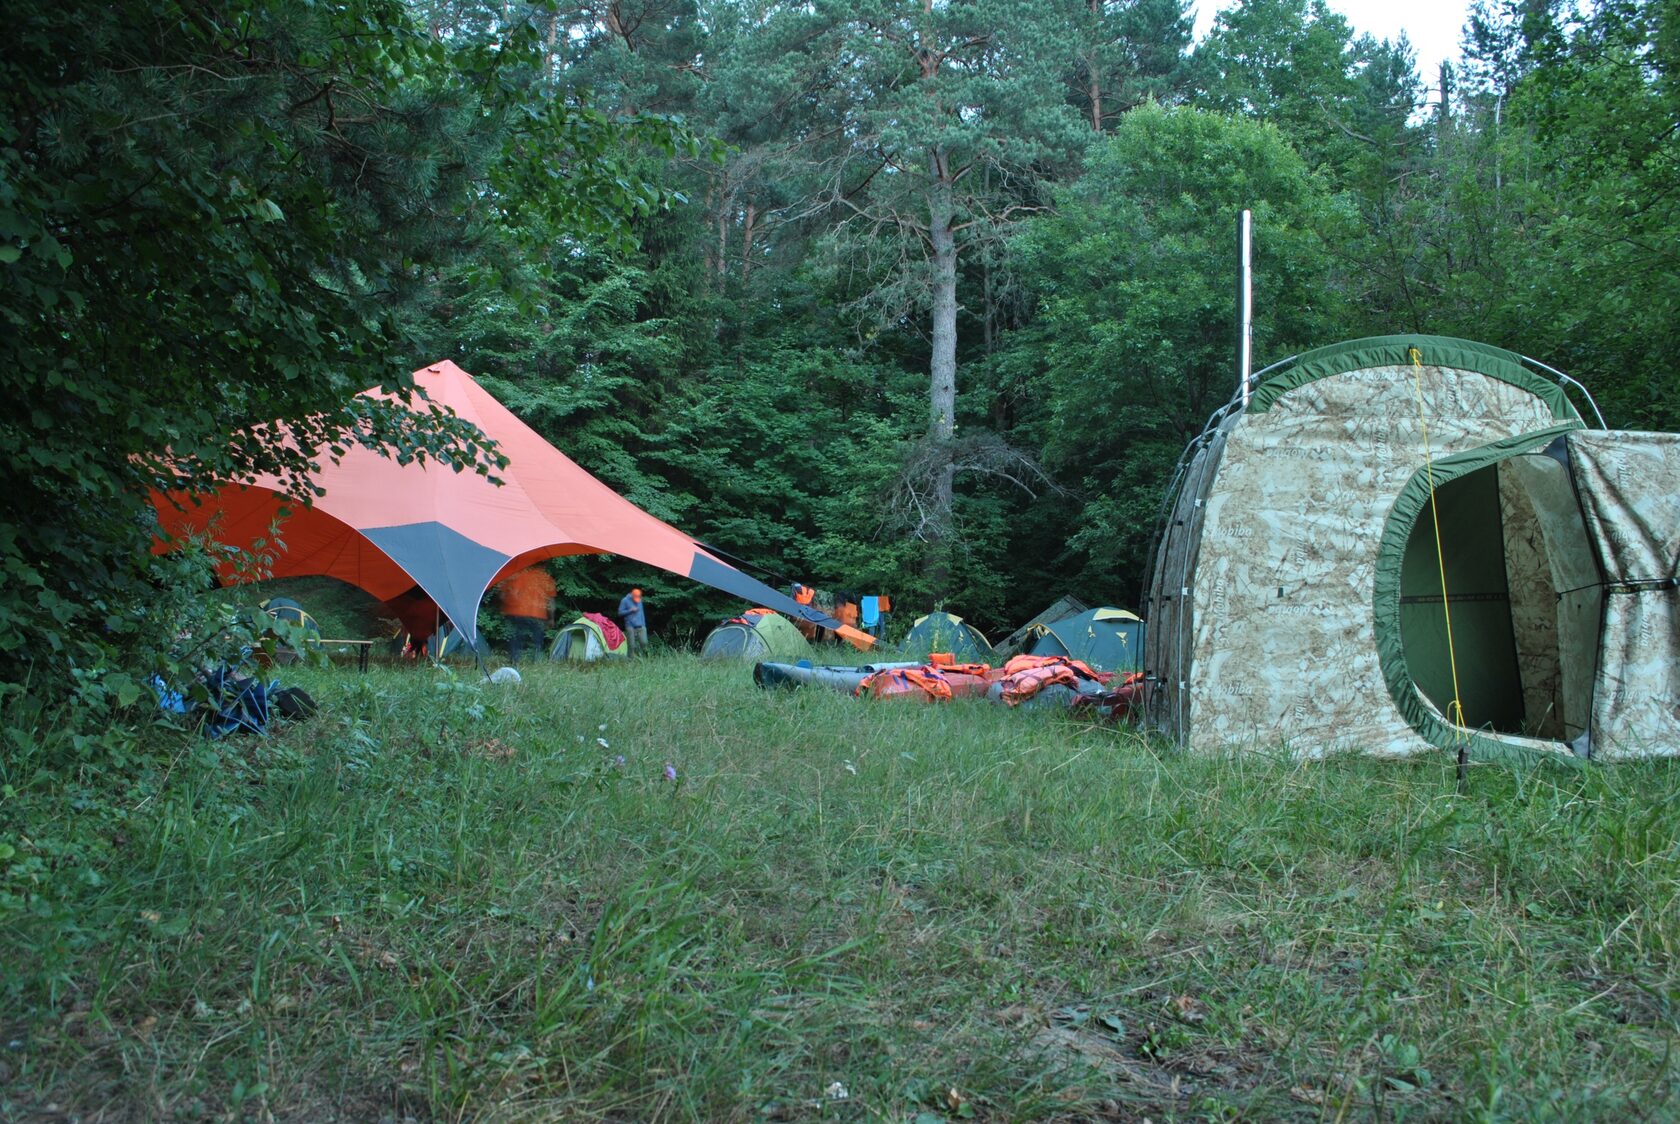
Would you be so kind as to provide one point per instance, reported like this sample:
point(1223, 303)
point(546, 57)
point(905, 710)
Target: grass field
point(439, 900)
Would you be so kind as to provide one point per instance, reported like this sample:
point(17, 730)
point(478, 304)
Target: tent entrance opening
point(1516, 558)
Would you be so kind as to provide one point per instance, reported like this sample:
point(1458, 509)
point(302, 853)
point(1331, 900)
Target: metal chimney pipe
point(1245, 301)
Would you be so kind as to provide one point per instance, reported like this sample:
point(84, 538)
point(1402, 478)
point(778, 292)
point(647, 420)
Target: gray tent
point(1301, 593)
point(1061, 609)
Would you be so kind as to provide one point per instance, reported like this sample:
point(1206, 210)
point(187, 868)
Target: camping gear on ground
point(385, 525)
point(237, 702)
point(590, 636)
point(920, 684)
point(928, 683)
point(1046, 680)
point(756, 635)
point(1060, 609)
point(804, 675)
point(291, 702)
point(1108, 639)
point(1410, 542)
point(1116, 704)
point(942, 632)
point(1025, 680)
point(232, 702)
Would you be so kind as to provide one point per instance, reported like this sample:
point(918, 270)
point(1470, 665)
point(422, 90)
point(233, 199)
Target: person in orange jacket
point(527, 599)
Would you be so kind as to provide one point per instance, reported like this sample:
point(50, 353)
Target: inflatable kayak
point(839, 678)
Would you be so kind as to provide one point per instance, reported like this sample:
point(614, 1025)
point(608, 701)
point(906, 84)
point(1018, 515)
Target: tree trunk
point(726, 206)
point(1094, 87)
point(942, 398)
point(943, 368)
point(707, 256)
point(748, 234)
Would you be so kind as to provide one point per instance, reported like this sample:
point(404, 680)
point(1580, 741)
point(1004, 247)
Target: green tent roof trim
point(1395, 351)
point(1410, 506)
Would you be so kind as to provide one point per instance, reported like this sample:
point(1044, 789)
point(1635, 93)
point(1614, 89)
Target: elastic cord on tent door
point(1456, 710)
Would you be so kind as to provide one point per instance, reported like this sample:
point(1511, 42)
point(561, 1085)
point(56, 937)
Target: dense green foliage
point(443, 900)
point(765, 365)
point(213, 218)
point(933, 324)
point(1130, 349)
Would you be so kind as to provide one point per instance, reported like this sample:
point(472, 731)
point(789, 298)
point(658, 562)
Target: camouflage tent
point(1407, 542)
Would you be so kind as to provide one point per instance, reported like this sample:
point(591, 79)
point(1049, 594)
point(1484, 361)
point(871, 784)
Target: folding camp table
point(363, 648)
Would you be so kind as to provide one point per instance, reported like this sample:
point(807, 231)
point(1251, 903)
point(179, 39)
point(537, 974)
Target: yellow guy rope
point(1456, 711)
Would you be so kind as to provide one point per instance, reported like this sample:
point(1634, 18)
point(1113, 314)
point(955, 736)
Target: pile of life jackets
point(1020, 680)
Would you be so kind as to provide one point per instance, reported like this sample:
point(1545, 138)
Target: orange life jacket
point(1027, 682)
point(1030, 663)
point(923, 685)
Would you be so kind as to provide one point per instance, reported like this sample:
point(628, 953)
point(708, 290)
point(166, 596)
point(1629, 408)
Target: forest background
point(885, 295)
point(995, 240)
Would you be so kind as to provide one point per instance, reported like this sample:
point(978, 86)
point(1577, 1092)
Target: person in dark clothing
point(632, 617)
point(418, 615)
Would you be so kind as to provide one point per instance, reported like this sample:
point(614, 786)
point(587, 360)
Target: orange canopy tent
point(386, 527)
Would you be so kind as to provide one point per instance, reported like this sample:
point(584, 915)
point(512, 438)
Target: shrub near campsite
point(212, 218)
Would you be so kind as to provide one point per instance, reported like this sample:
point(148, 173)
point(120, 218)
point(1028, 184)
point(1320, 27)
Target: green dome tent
point(585, 639)
point(942, 632)
point(303, 627)
point(285, 609)
point(450, 642)
point(1107, 639)
point(759, 635)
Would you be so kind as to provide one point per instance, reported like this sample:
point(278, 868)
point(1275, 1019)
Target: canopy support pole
point(1245, 301)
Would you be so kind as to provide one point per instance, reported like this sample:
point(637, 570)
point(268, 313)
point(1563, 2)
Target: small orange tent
point(385, 526)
